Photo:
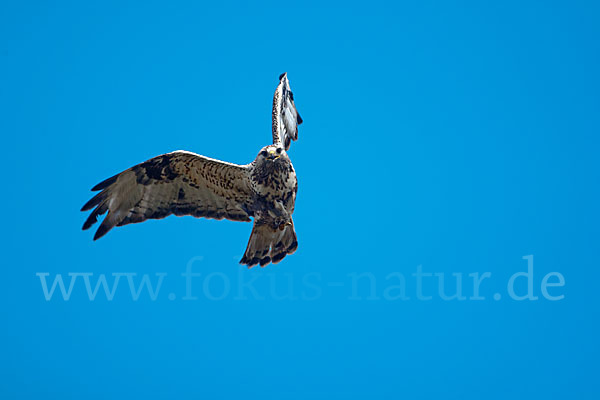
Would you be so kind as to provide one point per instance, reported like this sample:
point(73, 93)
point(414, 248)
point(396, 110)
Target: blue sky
point(455, 136)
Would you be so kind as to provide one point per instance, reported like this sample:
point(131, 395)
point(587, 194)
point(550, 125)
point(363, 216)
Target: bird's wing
point(285, 116)
point(180, 183)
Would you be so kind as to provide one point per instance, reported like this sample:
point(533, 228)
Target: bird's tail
point(269, 245)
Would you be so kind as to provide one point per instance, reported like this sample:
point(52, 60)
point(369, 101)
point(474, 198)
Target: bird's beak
point(272, 155)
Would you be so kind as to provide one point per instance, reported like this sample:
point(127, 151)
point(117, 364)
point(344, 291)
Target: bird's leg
point(284, 224)
point(282, 217)
point(278, 210)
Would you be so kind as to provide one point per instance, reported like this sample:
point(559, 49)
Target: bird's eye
point(279, 150)
point(263, 153)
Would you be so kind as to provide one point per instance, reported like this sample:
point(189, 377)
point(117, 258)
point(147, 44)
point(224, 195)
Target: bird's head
point(271, 153)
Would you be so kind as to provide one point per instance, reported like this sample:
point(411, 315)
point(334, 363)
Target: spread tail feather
point(268, 245)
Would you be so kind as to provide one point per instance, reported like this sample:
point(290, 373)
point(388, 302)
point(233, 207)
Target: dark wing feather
point(285, 116)
point(179, 183)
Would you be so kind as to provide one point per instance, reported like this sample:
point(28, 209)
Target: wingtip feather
point(91, 220)
point(102, 230)
point(105, 183)
point(93, 202)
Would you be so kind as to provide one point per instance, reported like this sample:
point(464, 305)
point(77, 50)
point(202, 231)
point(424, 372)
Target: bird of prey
point(184, 183)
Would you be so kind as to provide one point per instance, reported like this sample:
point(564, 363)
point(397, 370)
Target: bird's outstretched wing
point(285, 116)
point(180, 183)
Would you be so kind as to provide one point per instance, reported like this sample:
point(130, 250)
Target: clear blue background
point(459, 136)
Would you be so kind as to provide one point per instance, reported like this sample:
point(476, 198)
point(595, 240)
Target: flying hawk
point(184, 183)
